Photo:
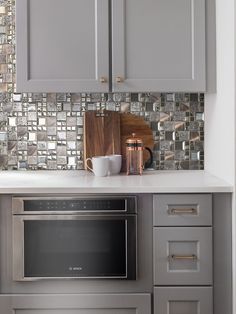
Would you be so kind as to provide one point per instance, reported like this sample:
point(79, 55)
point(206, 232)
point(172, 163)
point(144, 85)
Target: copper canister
point(134, 155)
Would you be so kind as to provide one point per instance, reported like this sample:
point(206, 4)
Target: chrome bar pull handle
point(178, 211)
point(183, 257)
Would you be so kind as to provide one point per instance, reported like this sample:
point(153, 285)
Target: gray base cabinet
point(76, 304)
point(124, 297)
point(190, 300)
point(182, 254)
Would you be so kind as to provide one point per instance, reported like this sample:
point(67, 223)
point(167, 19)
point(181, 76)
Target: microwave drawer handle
point(183, 257)
point(178, 211)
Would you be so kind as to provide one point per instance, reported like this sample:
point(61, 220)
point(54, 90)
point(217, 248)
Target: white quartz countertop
point(33, 182)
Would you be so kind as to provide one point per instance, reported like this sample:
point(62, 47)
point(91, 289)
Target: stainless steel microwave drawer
point(184, 300)
point(182, 210)
point(182, 256)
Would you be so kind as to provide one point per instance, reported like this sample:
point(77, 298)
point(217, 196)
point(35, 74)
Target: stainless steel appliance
point(74, 237)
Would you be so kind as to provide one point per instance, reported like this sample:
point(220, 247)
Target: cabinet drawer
point(182, 300)
point(182, 210)
point(76, 303)
point(182, 256)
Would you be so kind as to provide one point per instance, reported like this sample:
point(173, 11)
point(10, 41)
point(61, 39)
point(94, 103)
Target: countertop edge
point(187, 190)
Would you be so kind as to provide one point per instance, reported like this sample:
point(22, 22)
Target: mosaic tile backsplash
point(45, 131)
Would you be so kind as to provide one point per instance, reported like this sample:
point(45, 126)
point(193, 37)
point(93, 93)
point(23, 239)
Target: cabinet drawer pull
point(183, 257)
point(119, 79)
point(176, 211)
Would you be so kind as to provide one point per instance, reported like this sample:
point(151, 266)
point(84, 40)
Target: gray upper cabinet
point(62, 45)
point(116, 45)
point(158, 45)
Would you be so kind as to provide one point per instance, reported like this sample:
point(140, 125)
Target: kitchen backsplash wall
point(45, 131)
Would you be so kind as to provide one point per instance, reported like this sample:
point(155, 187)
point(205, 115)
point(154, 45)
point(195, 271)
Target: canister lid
point(134, 140)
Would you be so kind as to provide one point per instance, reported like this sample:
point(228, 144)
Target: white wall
point(220, 107)
point(220, 111)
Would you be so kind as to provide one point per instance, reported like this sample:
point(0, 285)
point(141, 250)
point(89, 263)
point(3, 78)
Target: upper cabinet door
point(158, 45)
point(62, 45)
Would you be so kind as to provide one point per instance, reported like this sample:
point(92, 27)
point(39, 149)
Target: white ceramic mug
point(114, 163)
point(100, 165)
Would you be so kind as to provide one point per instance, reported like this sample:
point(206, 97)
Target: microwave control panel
point(75, 205)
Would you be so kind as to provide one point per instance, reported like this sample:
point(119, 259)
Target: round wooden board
point(130, 123)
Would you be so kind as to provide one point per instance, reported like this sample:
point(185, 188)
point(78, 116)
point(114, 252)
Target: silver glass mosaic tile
point(45, 131)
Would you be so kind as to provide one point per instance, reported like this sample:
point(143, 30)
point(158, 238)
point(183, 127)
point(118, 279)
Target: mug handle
point(149, 162)
point(86, 163)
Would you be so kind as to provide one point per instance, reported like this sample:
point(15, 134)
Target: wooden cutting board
point(130, 123)
point(101, 134)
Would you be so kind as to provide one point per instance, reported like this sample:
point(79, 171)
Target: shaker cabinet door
point(62, 45)
point(158, 45)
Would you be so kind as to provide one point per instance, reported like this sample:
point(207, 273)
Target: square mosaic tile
point(45, 131)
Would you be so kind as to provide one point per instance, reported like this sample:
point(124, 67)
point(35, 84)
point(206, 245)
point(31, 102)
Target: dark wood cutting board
point(101, 133)
point(130, 123)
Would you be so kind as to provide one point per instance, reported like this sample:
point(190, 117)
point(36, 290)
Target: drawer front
point(182, 256)
point(137, 303)
point(181, 300)
point(182, 210)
